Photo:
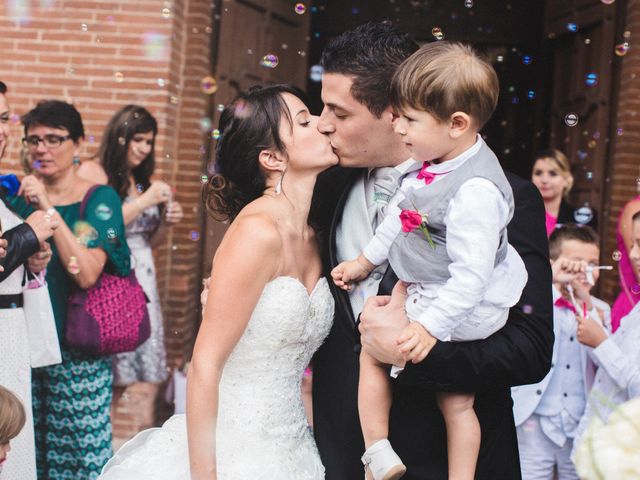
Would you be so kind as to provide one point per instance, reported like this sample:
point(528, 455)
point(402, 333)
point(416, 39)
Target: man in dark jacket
point(357, 117)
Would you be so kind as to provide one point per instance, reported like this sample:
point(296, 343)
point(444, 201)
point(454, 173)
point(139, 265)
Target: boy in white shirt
point(453, 207)
point(547, 413)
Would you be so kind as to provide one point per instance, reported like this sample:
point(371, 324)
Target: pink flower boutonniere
point(412, 219)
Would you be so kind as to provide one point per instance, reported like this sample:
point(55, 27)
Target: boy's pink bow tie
point(564, 303)
point(428, 177)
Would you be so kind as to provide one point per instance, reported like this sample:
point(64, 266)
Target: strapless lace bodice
point(260, 399)
point(262, 431)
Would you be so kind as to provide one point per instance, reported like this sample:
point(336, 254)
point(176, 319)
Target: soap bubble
point(528, 309)
point(300, 8)
point(205, 124)
point(194, 236)
point(156, 46)
point(204, 178)
point(104, 212)
point(583, 215)
point(166, 13)
point(84, 232)
point(572, 27)
point(270, 61)
point(118, 77)
point(591, 79)
point(315, 73)
point(215, 134)
point(616, 255)
point(527, 60)
point(571, 119)
point(73, 266)
point(209, 85)
point(622, 49)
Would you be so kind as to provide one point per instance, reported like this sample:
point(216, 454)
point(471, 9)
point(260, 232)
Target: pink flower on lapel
point(410, 220)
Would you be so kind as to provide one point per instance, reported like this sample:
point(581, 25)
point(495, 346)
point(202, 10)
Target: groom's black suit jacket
point(520, 353)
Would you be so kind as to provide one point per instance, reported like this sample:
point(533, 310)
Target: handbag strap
point(85, 200)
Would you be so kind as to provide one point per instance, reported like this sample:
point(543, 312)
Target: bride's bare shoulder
point(255, 230)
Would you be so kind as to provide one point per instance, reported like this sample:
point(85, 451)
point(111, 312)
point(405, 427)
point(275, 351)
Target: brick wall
point(624, 165)
point(102, 55)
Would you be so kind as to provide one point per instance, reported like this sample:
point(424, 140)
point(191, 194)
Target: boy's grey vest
point(411, 256)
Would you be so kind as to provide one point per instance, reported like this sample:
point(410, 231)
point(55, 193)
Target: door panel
point(249, 30)
point(582, 85)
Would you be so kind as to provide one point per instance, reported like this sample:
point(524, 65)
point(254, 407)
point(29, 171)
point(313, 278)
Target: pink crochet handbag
point(110, 317)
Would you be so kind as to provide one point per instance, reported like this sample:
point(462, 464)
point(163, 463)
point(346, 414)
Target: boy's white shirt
point(474, 218)
point(526, 398)
point(618, 376)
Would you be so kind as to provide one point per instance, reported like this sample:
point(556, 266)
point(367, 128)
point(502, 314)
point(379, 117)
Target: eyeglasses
point(49, 141)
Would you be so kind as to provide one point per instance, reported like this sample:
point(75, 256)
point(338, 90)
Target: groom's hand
point(382, 321)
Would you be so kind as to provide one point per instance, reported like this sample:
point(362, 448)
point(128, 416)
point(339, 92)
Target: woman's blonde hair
point(561, 161)
point(12, 415)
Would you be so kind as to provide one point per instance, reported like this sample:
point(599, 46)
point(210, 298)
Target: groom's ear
point(271, 161)
point(459, 124)
point(390, 115)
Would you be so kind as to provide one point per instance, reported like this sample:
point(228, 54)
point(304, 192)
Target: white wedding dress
point(262, 431)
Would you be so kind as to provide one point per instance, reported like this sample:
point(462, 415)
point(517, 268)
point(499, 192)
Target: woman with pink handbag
point(71, 400)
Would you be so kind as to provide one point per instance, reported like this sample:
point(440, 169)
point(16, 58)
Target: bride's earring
point(279, 184)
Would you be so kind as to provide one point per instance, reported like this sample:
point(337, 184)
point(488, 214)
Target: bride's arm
point(248, 257)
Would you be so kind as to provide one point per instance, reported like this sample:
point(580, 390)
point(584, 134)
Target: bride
point(268, 308)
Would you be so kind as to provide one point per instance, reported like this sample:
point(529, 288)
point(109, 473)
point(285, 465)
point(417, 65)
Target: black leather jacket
point(22, 243)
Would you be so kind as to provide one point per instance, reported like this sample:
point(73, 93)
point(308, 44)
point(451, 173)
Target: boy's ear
point(460, 123)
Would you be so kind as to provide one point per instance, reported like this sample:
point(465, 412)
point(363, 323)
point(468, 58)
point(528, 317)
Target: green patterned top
point(102, 227)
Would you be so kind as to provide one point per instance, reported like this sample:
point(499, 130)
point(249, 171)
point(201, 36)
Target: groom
point(358, 66)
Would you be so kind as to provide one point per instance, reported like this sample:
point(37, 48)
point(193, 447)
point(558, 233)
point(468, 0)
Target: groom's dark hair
point(370, 55)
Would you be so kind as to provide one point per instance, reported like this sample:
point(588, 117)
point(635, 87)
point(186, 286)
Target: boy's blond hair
point(446, 77)
point(12, 415)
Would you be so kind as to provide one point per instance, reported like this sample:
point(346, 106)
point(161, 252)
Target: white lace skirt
point(162, 454)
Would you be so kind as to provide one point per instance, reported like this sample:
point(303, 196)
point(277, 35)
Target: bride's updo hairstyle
point(249, 125)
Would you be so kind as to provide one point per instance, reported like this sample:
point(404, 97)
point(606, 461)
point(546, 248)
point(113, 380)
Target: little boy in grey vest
point(444, 233)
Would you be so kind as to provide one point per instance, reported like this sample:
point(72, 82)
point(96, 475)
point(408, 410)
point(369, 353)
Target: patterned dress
point(148, 362)
point(72, 400)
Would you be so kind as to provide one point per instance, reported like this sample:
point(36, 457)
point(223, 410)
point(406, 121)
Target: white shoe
point(382, 462)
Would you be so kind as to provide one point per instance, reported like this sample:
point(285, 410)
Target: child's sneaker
point(382, 462)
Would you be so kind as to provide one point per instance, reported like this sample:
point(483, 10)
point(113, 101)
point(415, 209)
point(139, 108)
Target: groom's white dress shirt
point(355, 230)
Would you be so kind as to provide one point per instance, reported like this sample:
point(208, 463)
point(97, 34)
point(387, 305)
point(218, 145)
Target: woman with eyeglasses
point(71, 400)
point(22, 241)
